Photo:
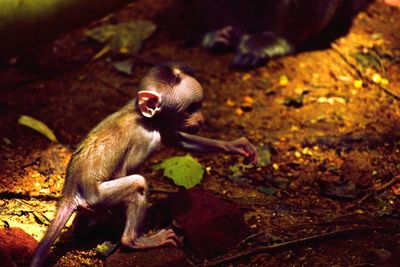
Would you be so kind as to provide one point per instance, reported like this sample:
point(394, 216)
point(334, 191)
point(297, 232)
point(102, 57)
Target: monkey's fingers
point(251, 158)
point(247, 154)
point(254, 155)
point(251, 153)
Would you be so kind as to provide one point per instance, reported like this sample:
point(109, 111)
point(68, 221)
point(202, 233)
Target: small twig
point(380, 189)
point(353, 67)
point(264, 249)
point(323, 223)
point(248, 238)
point(38, 215)
point(191, 263)
point(359, 73)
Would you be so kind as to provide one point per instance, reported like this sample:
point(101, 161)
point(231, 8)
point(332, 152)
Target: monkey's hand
point(242, 146)
point(194, 143)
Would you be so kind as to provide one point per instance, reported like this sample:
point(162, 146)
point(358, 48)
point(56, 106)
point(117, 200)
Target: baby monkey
point(166, 110)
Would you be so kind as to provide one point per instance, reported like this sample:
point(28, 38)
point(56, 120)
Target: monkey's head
point(170, 94)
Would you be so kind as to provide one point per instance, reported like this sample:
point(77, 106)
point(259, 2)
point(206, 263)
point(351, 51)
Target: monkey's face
point(192, 118)
point(184, 106)
point(174, 96)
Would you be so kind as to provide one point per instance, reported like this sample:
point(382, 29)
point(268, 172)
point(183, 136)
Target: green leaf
point(123, 38)
point(264, 156)
point(368, 59)
point(37, 126)
point(124, 67)
point(106, 249)
point(267, 190)
point(184, 171)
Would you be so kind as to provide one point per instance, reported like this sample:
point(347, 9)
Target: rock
point(15, 246)
point(212, 226)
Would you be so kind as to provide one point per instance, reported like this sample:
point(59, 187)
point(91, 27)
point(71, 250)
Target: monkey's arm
point(194, 143)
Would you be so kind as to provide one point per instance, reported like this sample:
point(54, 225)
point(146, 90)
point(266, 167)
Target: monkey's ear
point(149, 103)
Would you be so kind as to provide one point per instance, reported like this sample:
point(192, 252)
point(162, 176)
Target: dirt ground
point(327, 117)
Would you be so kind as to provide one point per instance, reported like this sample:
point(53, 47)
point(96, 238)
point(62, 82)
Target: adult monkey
point(166, 110)
point(259, 30)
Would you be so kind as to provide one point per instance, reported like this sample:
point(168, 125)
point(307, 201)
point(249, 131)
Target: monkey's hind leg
point(132, 191)
point(255, 49)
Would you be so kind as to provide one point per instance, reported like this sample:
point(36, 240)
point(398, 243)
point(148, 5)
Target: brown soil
point(329, 149)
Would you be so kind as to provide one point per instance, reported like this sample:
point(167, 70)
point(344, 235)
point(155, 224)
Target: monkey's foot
point(255, 49)
point(164, 237)
point(222, 40)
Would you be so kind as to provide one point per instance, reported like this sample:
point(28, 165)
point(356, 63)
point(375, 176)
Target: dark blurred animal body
point(263, 29)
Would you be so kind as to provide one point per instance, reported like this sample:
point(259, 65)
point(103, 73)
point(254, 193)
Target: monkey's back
point(104, 153)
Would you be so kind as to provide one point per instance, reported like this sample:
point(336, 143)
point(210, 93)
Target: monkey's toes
point(168, 237)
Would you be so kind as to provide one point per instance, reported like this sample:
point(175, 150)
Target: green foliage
point(106, 249)
point(124, 67)
point(267, 190)
point(264, 156)
point(184, 171)
point(367, 60)
point(123, 38)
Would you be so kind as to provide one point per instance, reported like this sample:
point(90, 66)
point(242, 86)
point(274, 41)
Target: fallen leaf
point(184, 171)
point(367, 59)
point(106, 249)
point(264, 156)
point(123, 38)
point(267, 190)
point(124, 67)
point(38, 126)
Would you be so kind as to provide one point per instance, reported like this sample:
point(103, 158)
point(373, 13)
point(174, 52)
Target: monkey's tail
point(65, 209)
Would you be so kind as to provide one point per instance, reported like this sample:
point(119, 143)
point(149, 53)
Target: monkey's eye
point(194, 107)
